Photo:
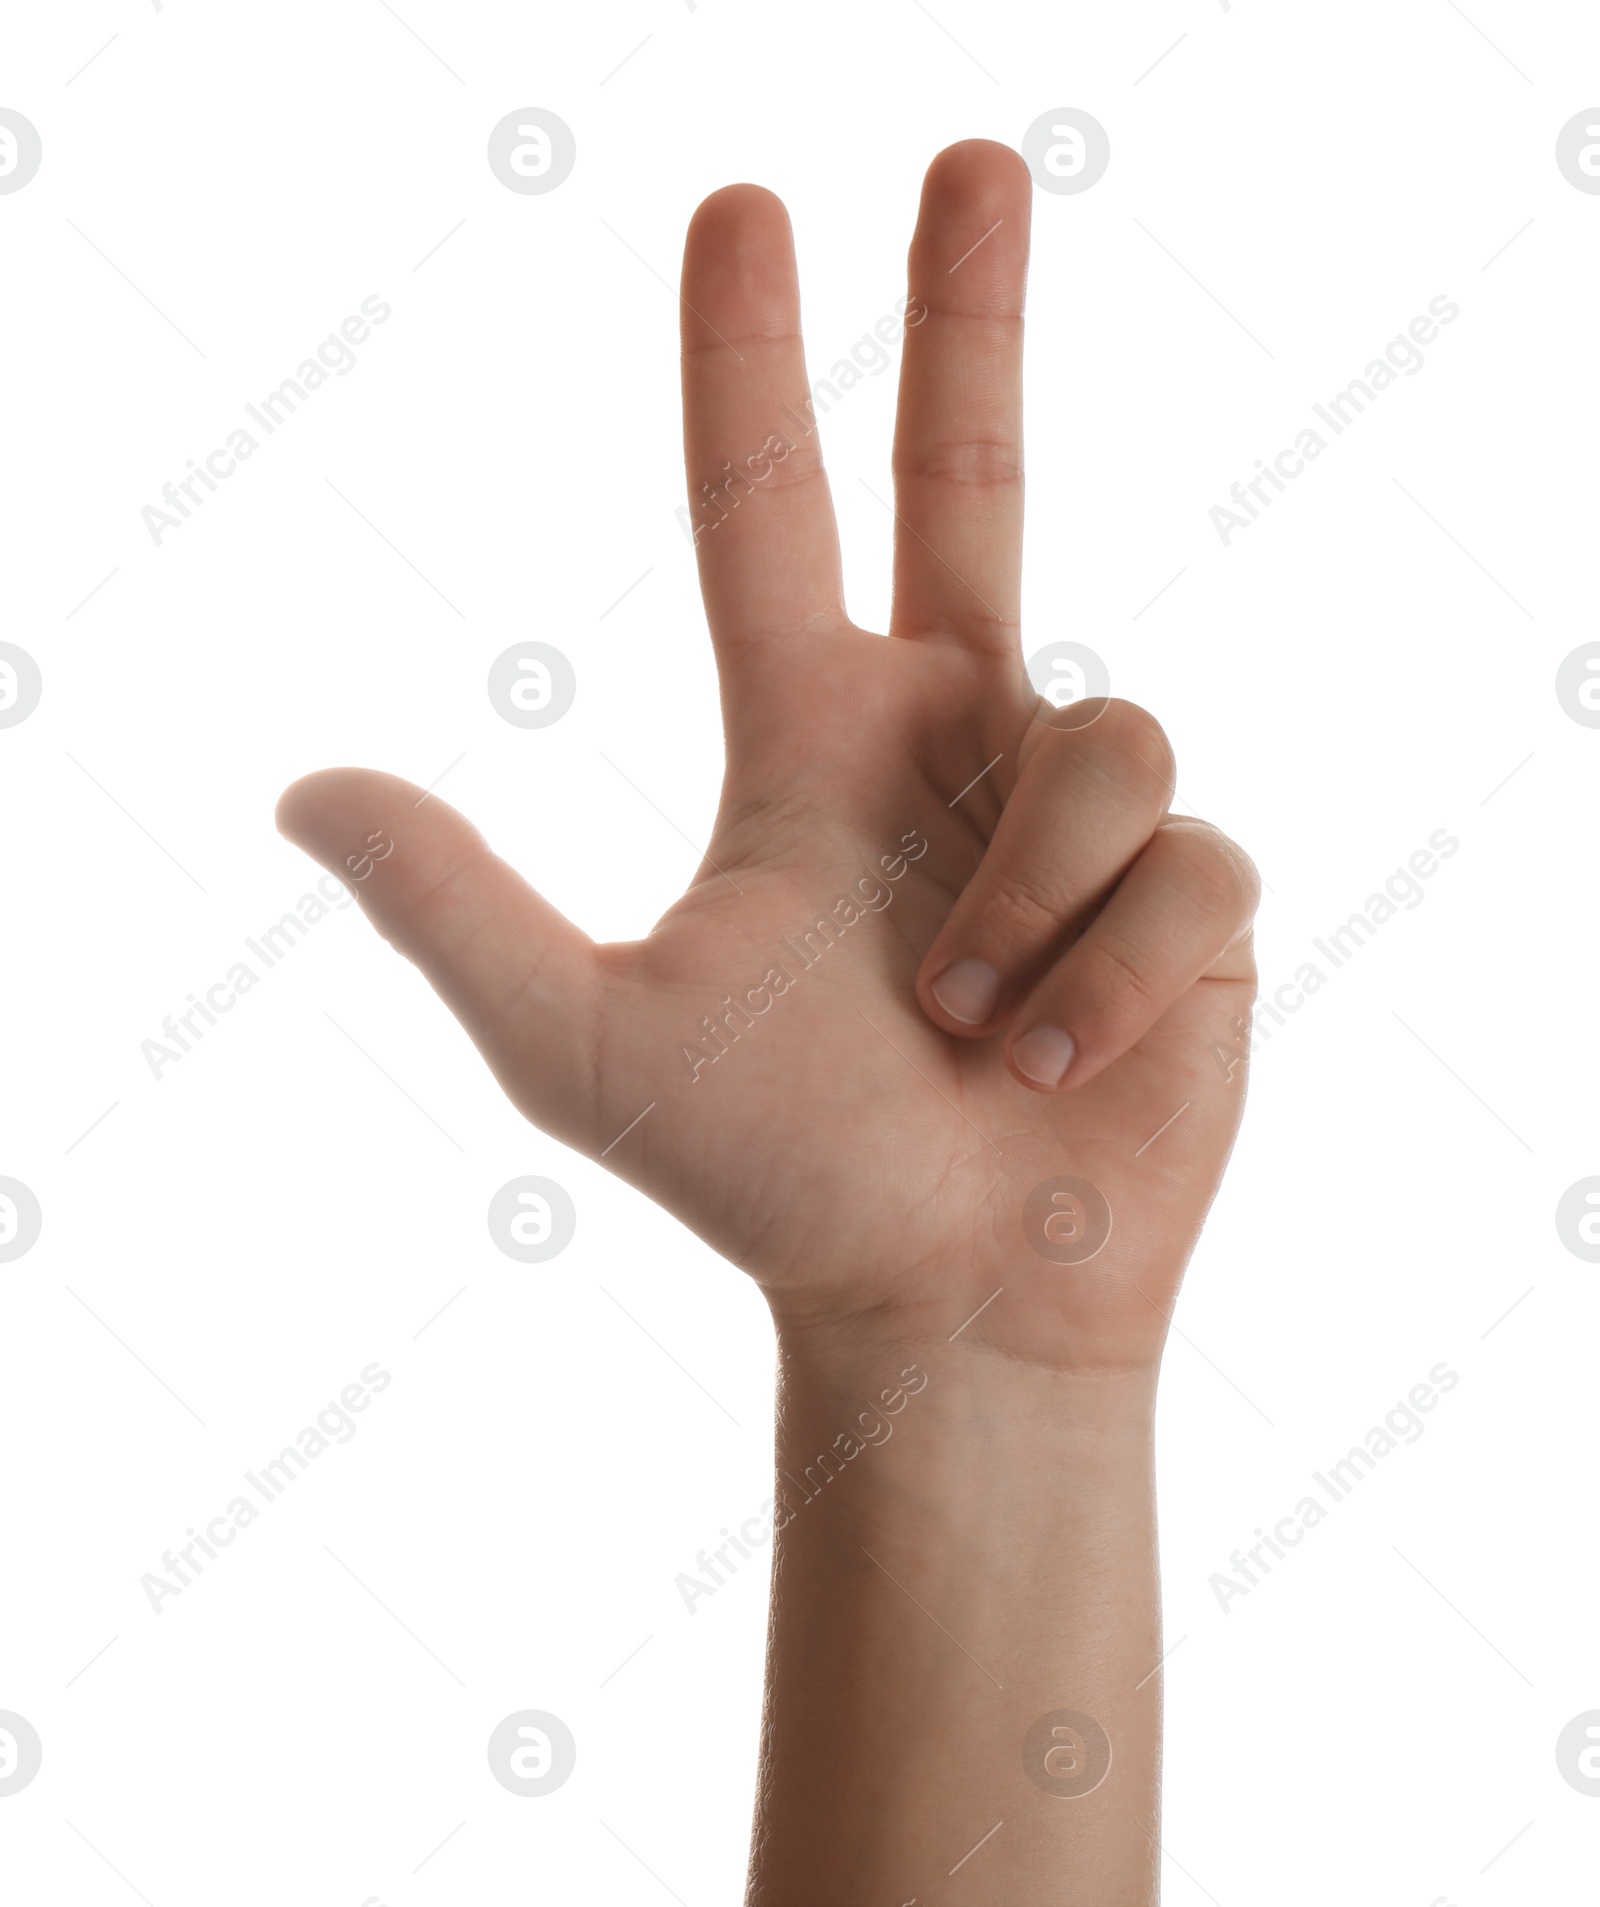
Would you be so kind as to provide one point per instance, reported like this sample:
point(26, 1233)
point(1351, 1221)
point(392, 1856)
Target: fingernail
point(967, 990)
point(1044, 1053)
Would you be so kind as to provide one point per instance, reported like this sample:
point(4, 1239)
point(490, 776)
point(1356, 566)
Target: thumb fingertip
point(292, 816)
point(321, 809)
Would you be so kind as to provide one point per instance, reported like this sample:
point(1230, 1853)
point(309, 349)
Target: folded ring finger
point(1085, 803)
point(1181, 914)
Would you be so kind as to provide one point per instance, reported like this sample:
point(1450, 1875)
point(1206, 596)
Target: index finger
point(759, 505)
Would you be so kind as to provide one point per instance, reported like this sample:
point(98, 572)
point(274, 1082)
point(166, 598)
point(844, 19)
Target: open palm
point(953, 1006)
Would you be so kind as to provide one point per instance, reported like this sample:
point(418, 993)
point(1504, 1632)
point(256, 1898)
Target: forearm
point(980, 1571)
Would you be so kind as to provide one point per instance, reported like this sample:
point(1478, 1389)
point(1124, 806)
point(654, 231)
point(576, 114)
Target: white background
point(1364, 666)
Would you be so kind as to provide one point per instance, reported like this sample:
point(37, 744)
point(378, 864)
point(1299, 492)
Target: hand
point(1004, 889)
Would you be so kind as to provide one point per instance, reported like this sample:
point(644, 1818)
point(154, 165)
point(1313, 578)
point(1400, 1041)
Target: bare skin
point(862, 1150)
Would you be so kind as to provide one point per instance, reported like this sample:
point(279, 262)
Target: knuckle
point(1131, 735)
point(795, 471)
point(989, 630)
point(1246, 875)
point(977, 628)
point(706, 343)
point(762, 474)
point(1025, 908)
point(1114, 979)
point(972, 462)
point(1221, 877)
point(1125, 747)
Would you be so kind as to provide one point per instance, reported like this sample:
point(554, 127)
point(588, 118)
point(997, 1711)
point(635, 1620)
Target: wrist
point(884, 1359)
point(946, 1441)
point(964, 1568)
